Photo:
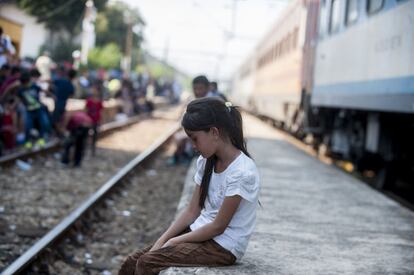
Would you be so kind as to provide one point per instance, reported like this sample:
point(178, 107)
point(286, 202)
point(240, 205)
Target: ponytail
point(236, 131)
point(205, 181)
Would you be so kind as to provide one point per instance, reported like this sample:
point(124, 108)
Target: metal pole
point(128, 49)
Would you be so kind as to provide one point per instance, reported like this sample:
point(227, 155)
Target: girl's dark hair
point(203, 114)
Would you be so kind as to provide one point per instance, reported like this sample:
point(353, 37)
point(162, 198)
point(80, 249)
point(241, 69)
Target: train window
point(279, 49)
point(284, 46)
point(323, 19)
point(275, 51)
point(374, 5)
point(295, 37)
point(288, 42)
point(335, 22)
point(351, 11)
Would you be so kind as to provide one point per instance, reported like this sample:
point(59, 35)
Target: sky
point(210, 37)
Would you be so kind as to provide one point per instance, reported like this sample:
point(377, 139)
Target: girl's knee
point(129, 264)
point(143, 266)
point(142, 262)
point(127, 267)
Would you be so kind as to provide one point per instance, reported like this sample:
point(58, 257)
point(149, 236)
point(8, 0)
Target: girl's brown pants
point(208, 253)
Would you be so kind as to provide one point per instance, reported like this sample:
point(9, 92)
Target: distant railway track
point(77, 216)
point(33, 202)
point(54, 145)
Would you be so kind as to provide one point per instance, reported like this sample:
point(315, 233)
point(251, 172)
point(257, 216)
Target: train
point(339, 74)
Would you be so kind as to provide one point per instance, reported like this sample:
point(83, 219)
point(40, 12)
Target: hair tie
point(228, 105)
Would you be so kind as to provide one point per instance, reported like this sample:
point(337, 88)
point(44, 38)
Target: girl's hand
point(172, 241)
point(158, 244)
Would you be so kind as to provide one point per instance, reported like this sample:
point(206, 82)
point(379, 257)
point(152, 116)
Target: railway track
point(129, 211)
point(32, 209)
point(54, 145)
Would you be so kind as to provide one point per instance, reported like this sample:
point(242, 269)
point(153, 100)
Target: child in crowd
point(215, 228)
point(94, 106)
point(35, 112)
point(8, 127)
point(78, 124)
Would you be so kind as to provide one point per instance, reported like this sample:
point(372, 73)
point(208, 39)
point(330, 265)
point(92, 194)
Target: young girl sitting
point(215, 228)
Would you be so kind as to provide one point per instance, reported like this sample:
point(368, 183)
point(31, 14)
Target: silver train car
point(341, 74)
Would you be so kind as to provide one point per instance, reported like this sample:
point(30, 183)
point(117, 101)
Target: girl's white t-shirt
point(240, 178)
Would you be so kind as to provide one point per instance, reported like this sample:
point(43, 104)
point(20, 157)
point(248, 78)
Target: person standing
point(63, 89)
point(75, 126)
point(45, 64)
point(7, 49)
point(94, 106)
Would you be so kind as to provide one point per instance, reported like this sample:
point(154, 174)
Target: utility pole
point(128, 48)
point(166, 49)
point(88, 31)
point(227, 35)
point(233, 18)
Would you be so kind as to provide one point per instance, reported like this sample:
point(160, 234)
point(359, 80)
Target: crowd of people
point(27, 121)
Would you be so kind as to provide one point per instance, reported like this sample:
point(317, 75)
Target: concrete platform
point(316, 219)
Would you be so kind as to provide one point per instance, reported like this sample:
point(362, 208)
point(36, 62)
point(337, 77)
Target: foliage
point(106, 57)
point(61, 50)
point(157, 70)
point(59, 14)
point(112, 27)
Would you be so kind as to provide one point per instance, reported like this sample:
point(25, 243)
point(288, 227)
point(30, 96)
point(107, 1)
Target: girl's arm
point(215, 228)
point(187, 217)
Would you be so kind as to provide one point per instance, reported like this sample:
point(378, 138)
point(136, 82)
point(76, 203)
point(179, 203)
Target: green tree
point(62, 51)
point(112, 26)
point(59, 14)
point(106, 57)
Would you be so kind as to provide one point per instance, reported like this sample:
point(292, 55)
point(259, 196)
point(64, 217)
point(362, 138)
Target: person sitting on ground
point(184, 152)
point(75, 128)
point(216, 226)
point(36, 114)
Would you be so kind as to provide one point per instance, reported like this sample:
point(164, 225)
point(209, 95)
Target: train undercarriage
point(379, 145)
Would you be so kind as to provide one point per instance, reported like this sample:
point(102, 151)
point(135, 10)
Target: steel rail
point(57, 232)
point(104, 130)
